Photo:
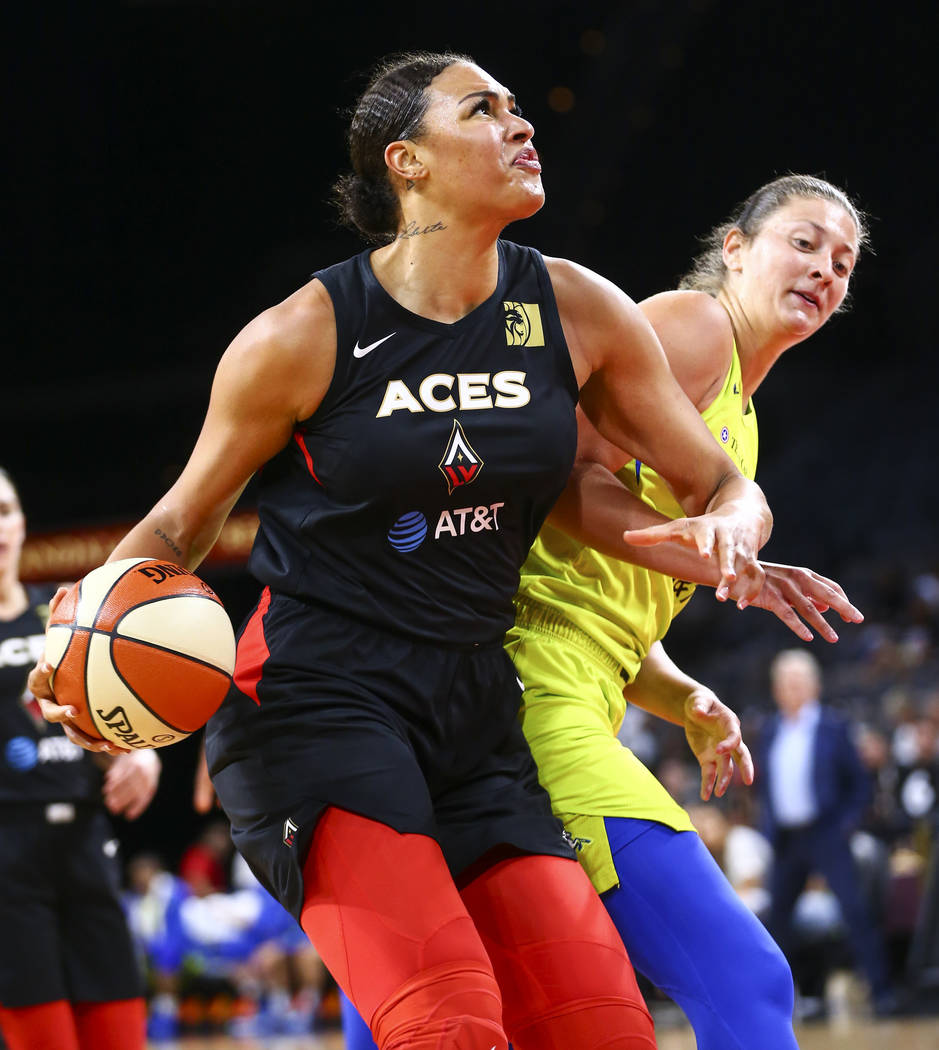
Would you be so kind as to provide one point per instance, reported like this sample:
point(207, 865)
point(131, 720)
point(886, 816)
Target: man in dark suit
point(814, 791)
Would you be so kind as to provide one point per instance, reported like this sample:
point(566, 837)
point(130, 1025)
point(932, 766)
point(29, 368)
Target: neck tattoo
point(413, 230)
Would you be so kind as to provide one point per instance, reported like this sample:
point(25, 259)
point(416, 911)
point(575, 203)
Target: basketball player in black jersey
point(413, 412)
point(68, 974)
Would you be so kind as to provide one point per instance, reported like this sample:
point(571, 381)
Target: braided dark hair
point(391, 107)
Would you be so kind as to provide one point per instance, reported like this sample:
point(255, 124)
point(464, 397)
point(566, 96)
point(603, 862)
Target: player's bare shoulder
point(697, 336)
point(580, 290)
point(289, 349)
point(595, 313)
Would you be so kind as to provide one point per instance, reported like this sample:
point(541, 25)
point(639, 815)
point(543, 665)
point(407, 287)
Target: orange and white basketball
point(143, 649)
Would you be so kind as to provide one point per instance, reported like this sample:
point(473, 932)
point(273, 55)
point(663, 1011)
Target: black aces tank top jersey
point(412, 495)
point(38, 763)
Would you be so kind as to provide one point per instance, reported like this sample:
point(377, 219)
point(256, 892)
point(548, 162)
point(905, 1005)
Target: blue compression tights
point(689, 933)
point(354, 1029)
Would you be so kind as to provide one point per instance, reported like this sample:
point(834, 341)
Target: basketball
point(143, 650)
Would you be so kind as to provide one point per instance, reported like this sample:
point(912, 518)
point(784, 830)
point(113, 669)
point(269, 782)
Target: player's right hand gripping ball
point(143, 650)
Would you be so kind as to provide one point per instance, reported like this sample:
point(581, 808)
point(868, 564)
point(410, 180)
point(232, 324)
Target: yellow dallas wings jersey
point(623, 607)
point(601, 616)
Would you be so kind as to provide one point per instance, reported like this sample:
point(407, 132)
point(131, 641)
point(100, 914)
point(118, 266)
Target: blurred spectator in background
point(918, 780)
point(68, 979)
point(743, 853)
point(153, 893)
point(205, 864)
point(220, 960)
point(883, 817)
point(814, 792)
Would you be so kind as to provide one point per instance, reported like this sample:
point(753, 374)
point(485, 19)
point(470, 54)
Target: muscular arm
point(629, 394)
point(273, 374)
point(595, 507)
point(697, 339)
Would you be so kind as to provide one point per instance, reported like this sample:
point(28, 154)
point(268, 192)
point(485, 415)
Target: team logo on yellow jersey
point(460, 464)
point(523, 324)
point(576, 842)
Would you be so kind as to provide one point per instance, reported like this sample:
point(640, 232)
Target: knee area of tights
point(766, 977)
point(445, 1007)
point(453, 1033)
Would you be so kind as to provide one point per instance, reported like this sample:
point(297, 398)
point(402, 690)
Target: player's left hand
point(727, 535)
point(790, 591)
point(130, 783)
point(713, 733)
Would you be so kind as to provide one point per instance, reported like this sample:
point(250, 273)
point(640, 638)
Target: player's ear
point(403, 161)
point(732, 250)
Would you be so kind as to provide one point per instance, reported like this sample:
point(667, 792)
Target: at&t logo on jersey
point(460, 464)
point(23, 754)
point(523, 324)
point(410, 530)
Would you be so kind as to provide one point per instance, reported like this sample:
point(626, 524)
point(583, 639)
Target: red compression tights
point(388, 922)
point(565, 976)
point(391, 927)
point(61, 1025)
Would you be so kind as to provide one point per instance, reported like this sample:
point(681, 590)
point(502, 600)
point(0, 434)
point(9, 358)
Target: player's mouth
point(807, 297)
point(527, 158)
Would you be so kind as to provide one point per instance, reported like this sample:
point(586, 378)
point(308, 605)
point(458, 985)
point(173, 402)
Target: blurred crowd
point(219, 953)
point(882, 678)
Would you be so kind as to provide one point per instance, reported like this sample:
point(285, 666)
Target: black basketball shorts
point(423, 738)
point(64, 931)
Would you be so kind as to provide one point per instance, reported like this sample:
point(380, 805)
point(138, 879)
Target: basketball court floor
point(919, 1033)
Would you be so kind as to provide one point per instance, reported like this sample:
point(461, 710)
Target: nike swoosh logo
point(361, 351)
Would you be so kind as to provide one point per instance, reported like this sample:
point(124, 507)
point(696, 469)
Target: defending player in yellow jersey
point(609, 614)
point(589, 628)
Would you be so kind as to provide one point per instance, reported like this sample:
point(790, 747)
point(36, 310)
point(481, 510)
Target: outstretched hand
point(789, 592)
point(730, 536)
point(713, 733)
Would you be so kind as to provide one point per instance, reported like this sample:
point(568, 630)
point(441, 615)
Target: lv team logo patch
point(460, 464)
point(523, 324)
point(290, 832)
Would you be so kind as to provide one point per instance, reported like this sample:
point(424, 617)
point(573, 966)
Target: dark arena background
point(169, 171)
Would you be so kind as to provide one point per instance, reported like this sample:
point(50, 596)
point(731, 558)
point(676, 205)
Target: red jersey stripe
point(298, 437)
point(252, 650)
